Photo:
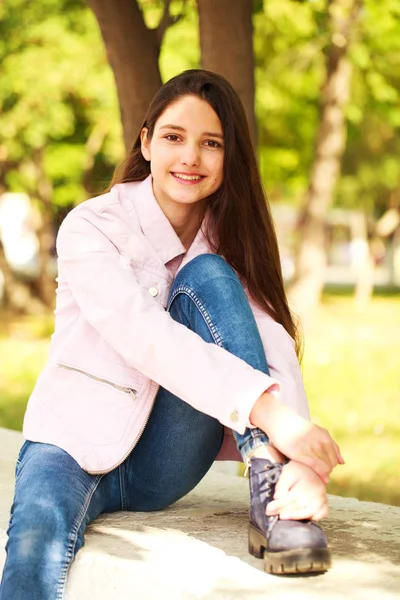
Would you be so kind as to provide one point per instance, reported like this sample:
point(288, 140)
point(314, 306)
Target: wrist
point(269, 452)
point(263, 410)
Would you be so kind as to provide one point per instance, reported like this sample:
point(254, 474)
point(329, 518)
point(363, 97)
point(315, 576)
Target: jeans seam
point(183, 289)
point(73, 536)
point(256, 436)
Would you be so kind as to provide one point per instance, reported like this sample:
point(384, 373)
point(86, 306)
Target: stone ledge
point(197, 549)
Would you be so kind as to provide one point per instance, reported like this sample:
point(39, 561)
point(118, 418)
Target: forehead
point(192, 113)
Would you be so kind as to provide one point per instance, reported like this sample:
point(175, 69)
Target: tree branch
point(167, 20)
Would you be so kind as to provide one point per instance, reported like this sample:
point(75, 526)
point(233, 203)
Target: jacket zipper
point(120, 388)
point(127, 390)
point(105, 471)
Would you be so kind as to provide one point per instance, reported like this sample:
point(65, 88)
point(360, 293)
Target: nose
point(190, 155)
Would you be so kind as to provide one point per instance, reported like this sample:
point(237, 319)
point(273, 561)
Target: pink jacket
point(114, 343)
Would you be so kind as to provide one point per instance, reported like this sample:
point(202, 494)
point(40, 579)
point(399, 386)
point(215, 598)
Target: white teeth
point(187, 177)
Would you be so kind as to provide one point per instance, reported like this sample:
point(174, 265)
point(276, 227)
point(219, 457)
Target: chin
point(190, 197)
point(188, 200)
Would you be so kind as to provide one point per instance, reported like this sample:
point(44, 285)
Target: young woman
point(173, 346)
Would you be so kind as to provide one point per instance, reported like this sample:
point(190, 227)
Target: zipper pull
point(246, 471)
point(131, 392)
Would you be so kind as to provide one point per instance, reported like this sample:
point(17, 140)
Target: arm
point(282, 361)
point(293, 435)
point(296, 437)
point(134, 324)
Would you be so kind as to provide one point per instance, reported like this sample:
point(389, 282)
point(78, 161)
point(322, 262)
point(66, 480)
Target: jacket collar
point(156, 227)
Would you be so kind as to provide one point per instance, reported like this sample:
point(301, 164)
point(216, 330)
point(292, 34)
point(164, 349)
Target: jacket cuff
point(240, 416)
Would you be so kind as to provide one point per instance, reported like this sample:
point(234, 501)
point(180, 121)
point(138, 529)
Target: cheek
point(158, 165)
point(216, 167)
point(159, 155)
point(219, 170)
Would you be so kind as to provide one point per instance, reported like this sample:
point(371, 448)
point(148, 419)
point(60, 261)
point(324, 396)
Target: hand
point(299, 494)
point(296, 437)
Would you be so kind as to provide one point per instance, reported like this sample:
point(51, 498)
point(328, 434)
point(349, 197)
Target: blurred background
point(320, 82)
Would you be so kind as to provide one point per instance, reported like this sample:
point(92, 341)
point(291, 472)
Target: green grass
point(24, 345)
point(351, 370)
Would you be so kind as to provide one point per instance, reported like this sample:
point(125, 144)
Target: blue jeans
point(55, 499)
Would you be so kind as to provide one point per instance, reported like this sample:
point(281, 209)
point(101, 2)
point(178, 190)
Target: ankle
point(269, 452)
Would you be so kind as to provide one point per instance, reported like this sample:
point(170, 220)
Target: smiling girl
point(173, 346)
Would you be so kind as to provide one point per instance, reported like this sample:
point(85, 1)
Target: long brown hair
point(242, 228)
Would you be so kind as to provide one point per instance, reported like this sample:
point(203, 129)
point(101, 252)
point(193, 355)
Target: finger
point(294, 499)
point(329, 448)
point(332, 450)
point(324, 450)
point(340, 458)
point(316, 464)
point(298, 511)
point(296, 515)
point(321, 514)
point(312, 506)
point(328, 455)
point(274, 507)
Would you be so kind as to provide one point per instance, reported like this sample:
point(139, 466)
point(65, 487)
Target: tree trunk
point(305, 291)
point(17, 296)
point(132, 49)
point(226, 41)
point(46, 237)
point(361, 259)
point(94, 144)
point(45, 232)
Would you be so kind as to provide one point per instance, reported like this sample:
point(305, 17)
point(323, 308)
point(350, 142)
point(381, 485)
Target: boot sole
point(298, 560)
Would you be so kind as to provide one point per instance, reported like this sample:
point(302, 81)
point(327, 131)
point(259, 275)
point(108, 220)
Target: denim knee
point(203, 268)
point(213, 303)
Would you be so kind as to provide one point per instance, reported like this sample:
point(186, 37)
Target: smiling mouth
point(187, 177)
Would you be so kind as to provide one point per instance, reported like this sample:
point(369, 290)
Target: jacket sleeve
point(134, 324)
point(282, 361)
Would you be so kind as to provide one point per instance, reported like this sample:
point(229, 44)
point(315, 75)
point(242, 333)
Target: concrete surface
point(197, 549)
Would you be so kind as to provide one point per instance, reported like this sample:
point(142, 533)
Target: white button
point(153, 291)
point(235, 416)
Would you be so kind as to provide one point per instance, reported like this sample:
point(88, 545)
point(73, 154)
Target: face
point(186, 153)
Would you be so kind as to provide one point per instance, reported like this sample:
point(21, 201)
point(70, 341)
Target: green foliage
point(289, 72)
point(351, 377)
point(371, 170)
point(183, 35)
point(181, 46)
point(290, 37)
point(56, 87)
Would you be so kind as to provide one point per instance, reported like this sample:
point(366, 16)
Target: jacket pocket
point(126, 390)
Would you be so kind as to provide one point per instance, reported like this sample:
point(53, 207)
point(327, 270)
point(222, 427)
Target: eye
point(172, 137)
point(213, 144)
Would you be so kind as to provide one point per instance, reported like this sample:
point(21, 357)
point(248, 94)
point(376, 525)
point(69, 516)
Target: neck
point(186, 220)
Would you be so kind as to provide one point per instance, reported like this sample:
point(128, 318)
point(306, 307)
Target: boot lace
point(274, 471)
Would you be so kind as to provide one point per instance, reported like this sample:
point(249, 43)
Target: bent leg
point(213, 303)
point(175, 451)
point(53, 503)
point(180, 443)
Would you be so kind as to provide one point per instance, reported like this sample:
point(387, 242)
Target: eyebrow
point(179, 128)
